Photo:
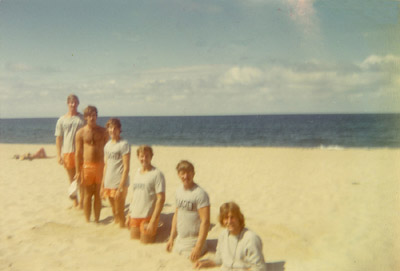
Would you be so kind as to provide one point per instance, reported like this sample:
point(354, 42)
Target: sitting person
point(28, 156)
point(238, 248)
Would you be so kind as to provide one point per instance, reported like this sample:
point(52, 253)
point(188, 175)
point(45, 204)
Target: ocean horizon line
point(215, 115)
point(322, 147)
point(294, 130)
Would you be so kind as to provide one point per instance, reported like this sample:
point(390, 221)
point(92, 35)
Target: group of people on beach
point(98, 159)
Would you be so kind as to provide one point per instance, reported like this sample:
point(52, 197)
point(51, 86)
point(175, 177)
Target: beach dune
point(314, 209)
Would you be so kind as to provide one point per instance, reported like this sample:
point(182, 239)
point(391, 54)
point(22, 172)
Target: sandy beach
point(314, 209)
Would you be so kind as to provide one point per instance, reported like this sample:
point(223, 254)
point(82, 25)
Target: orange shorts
point(140, 223)
point(69, 160)
point(109, 192)
point(92, 173)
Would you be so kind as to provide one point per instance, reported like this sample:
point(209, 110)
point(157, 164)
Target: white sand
point(313, 209)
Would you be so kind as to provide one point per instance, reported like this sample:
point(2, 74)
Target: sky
point(203, 57)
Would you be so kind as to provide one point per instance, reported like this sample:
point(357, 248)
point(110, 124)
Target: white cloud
point(387, 61)
point(300, 87)
point(241, 76)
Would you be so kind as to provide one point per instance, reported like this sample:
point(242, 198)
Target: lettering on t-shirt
point(186, 205)
point(114, 156)
point(140, 186)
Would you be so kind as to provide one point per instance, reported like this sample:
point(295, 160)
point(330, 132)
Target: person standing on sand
point(90, 142)
point(191, 220)
point(117, 156)
point(66, 128)
point(238, 248)
point(148, 198)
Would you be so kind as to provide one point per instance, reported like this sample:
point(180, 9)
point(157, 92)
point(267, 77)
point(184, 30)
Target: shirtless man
point(66, 128)
point(90, 141)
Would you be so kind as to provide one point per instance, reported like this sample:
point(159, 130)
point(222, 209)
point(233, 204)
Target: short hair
point(184, 165)
point(89, 110)
point(72, 97)
point(143, 149)
point(234, 209)
point(114, 122)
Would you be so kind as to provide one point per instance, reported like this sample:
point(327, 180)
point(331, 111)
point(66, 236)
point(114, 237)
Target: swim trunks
point(109, 192)
point(69, 160)
point(92, 173)
point(142, 223)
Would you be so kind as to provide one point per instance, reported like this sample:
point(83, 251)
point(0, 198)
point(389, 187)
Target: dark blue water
point(305, 131)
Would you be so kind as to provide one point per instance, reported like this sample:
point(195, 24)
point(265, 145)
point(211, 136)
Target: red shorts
point(92, 173)
point(141, 223)
point(69, 160)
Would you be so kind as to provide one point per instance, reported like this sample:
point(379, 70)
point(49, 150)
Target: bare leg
point(71, 174)
point(135, 233)
point(120, 207)
point(113, 208)
point(97, 202)
point(81, 196)
point(87, 200)
point(39, 154)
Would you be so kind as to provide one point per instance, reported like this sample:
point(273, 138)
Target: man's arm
point(204, 214)
point(157, 211)
point(106, 136)
point(173, 233)
point(104, 176)
point(59, 142)
point(79, 154)
point(126, 160)
point(207, 263)
point(255, 256)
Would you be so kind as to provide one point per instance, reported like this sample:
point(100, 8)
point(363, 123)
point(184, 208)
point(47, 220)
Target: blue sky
point(208, 57)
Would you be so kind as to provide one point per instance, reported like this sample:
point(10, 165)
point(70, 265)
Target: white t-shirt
point(113, 153)
point(67, 128)
point(240, 252)
point(145, 189)
point(188, 203)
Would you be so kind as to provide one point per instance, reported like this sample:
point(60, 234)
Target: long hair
point(234, 209)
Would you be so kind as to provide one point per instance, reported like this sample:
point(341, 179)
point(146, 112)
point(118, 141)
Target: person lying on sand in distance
point(28, 156)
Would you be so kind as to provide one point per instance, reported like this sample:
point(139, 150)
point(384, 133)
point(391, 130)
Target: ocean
point(303, 131)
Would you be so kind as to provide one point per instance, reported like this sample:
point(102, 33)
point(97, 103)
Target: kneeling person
point(147, 199)
point(191, 220)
